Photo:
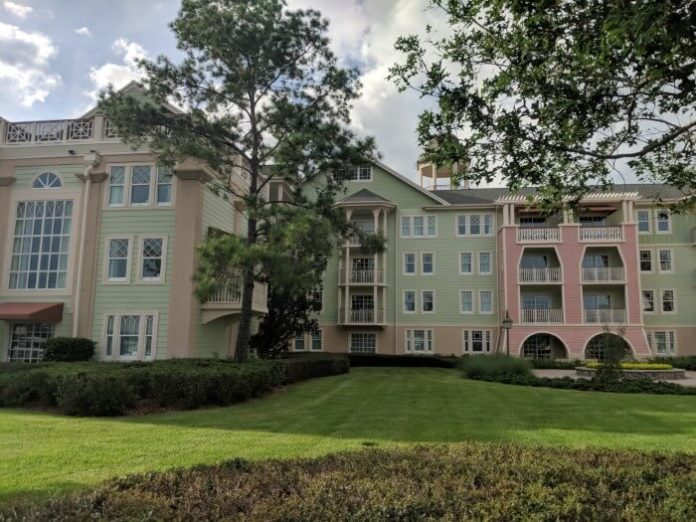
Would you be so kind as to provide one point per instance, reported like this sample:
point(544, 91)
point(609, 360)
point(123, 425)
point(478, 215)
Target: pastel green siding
point(135, 297)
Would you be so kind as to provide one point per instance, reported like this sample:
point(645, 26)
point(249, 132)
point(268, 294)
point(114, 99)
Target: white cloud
point(20, 11)
point(118, 74)
point(25, 60)
point(83, 31)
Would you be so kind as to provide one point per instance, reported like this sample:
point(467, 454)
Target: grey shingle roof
point(365, 196)
point(482, 196)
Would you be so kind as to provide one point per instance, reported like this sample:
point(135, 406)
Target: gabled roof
point(431, 194)
point(364, 196)
point(134, 87)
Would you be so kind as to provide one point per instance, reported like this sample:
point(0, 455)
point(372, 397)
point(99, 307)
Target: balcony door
point(362, 270)
point(534, 261)
point(597, 301)
point(362, 308)
point(595, 261)
point(593, 221)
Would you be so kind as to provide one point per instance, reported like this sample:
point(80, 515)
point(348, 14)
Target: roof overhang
point(35, 312)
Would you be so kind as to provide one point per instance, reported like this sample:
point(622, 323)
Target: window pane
point(140, 185)
point(152, 258)
point(164, 185)
point(428, 301)
point(427, 263)
point(467, 301)
point(484, 262)
point(461, 225)
point(299, 342)
point(475, 225)
point(409, 301)
point(432, 225)
point(410, 263)
point(465, 262)
point(418, 226)
point(488, 224)
point(405, 226)
point(316, 341)
point(486, 304)
point(130, 329)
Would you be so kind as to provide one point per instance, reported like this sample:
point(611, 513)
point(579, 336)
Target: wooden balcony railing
point(542, 315)
point(600, 233)
point(602, 274)
point(538, 235)
point(540, 275)
point(606, 316)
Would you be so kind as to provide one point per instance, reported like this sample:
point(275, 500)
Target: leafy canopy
point(559, 94)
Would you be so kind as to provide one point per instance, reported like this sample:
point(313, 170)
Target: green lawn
point(42, 453)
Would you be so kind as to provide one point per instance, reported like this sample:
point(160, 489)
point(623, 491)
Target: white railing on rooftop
point(55, 131)
point(542, 315)
point(600, 233)
point(538, 235)
point(540, 275)
point(606, 316)
point(602, 274)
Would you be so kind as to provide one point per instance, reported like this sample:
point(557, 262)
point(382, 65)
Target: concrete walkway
point(689, 381)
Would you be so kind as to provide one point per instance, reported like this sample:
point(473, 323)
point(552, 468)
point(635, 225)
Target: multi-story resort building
point(97, 240)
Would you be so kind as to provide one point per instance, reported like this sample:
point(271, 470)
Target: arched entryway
point(601, 346)
point(543, 346)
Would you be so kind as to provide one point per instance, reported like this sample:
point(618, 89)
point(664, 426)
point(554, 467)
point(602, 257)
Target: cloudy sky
point(56, 55)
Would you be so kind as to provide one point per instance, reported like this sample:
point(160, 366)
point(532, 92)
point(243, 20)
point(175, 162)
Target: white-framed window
point(419, 341)
point(476, 341)
point(318, 296)
point(645, 260)
point(41, 244)
point(118, 256)
point(27, 340)
point(663, 221)
point(117, 186)
point(663, 342)
point(643, 219)
point(648, 301)
point(466, 300)
point(409, 264)
point(533, 222)
point(466, 263)
point(316, 340)
point(356, 173)
point(669, 304)
point(484, 263)
point(427, 263)
point(664, 256)
point(152, 259)
point(47, 180)
point(363, 342)
point(409, 301)
point(418, 226)
point(165, 178)
point(141, 180)
point(474, 224)
point(485, 301)
point(427, 301)
point(130, 336)
point(299, 343)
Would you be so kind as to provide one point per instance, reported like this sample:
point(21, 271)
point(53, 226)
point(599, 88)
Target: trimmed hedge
point(494, 366)
point(687, 362)
point(633, 366)
point(403, 361)
point(69, 349)
point(555, 364)
point(109, 389)
point(467, 481)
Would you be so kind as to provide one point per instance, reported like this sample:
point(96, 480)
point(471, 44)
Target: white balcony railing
point(600, 234)
point(542, 315)
point(231, 293)
point(602, 274)
point(606, 316)
point(540, 275)
point(55, 131)
point(368, 276)
point(364, 316)
point(538, 235)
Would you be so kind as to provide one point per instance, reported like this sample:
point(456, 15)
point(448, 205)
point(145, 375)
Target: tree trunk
point(241, 351)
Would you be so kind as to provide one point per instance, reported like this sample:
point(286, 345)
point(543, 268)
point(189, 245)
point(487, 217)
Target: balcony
point(606, 274)
point(227, 300)
point(600, 234)
point(538, 235)
point(542, 315)
point(55, 131)
point(364, 316)
point(605, 316)
point(362, 277)
point(540, 275)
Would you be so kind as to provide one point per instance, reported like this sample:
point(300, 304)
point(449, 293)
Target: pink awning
point(35, 312)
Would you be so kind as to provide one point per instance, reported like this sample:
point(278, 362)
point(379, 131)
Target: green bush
point(467, 481)
point(102, 389)
point(555, 364)
point(688, 362)
point(403, 361)
point(69, 349)
point(490, 366)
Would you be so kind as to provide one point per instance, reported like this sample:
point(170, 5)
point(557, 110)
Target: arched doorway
point(544, 346)
point(602, 346)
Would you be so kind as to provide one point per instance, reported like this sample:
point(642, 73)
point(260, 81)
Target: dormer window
point(47, 180)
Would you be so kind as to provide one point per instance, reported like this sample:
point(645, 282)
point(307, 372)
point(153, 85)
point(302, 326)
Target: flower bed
point(662, 372)
point(632, 365)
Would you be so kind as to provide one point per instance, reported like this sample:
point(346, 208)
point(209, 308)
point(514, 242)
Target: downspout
point(81, 249)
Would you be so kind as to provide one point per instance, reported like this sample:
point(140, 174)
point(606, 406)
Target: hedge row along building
point(96, 240)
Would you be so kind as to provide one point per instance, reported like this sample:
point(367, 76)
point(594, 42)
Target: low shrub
point(467, 481)
point(492, 366)
point(69, 349)
point(555, 364)
point(687, 362)
point(404, 361)
point(633, 366)
point(107, 389)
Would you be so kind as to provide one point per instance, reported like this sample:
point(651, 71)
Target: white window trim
point(415, 301)
point(492, 302)
point(422, 301)
point(654, 301)
point(490, 262)
point(674, 301)
point(60, 178)
point(304, 343)
point(413, 340)
point(652, 261)
point(467, 224)
point(350, 342)
point(669, 222)
point(152, 280)
point(361, 180)
point(437, 226)
point(170, 203)
point(650, 219)
point(310, 335)
point(473, 261)
point(473, 303)
point(127, 185)
point(415, 264)
point(659, 261)
point(653, 343)
point(411, 227)
point(115, 349)
point(484, 331)
point(129, 261)
point(423, 272)
point(401, 226)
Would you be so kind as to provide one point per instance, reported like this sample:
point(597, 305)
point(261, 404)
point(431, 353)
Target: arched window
point(543, 346)
point(607, 346)
point(47, 180)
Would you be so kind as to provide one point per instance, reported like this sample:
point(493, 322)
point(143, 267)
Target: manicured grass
point(44, 453)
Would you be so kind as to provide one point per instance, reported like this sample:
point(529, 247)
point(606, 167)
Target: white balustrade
point(600, 233)
point(55, 131)
point(540, 275)
point(542, 315)
point(538, 235)
point(606, 316)
point(363, 316)
point(602, 274)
